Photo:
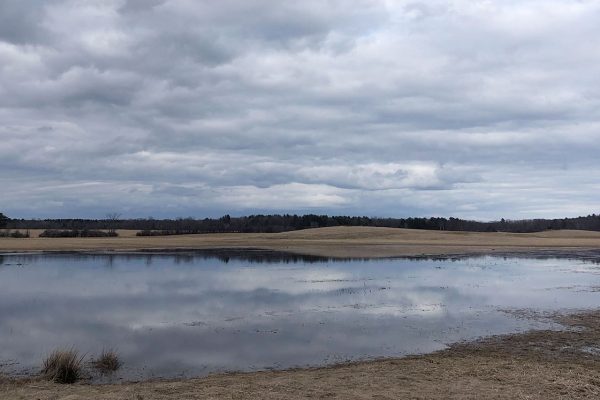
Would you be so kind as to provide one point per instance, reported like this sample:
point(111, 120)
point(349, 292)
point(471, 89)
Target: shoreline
point(582, 254)
point(338, 242)
point(537, 364)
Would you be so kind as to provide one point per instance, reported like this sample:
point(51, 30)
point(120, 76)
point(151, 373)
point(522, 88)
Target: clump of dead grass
point(107, 362)
point(63, 366)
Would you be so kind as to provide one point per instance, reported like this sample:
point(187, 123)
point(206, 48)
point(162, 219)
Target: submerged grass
point(63, 366)
point(107, 362)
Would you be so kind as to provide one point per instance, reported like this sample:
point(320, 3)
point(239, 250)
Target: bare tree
point(111, 219)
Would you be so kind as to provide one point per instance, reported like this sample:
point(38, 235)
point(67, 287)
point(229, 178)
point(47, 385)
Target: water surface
point(175, 315)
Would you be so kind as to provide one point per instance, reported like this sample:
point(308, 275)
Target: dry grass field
point(332, 242)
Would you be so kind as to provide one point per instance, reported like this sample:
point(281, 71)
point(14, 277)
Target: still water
point(172, 315)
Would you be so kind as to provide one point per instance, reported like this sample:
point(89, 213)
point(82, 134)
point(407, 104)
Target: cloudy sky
point(470, 108)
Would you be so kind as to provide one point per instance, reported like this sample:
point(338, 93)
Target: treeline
point(287, 222)
point(72, 233)
point(14, 234)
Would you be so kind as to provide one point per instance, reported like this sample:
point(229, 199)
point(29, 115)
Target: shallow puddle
point(171, 315)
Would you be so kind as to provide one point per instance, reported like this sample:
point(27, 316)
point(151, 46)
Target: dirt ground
point(533, 365)
point(331, 242)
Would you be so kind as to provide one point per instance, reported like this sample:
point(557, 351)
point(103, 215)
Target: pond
point(172, 315)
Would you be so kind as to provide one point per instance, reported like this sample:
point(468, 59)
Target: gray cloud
point(176, 107)
point(20, 21)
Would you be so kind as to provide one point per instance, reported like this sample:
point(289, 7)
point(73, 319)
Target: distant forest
point(282, 223)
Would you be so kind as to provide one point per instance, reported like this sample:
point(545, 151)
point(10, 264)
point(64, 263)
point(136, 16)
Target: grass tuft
point(107, 362)
point(63, 366)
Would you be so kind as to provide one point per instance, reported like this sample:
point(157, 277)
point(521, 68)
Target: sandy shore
point(533, 365)
point(330, 242)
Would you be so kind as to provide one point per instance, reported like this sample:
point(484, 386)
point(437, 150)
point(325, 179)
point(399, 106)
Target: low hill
point(331, 242)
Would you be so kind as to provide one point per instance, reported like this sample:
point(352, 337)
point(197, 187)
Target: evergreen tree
point(3, 220)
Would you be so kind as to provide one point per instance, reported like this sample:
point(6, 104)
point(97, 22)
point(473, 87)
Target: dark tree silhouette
point(3, 220)
point(286, 222)
point(112, 219)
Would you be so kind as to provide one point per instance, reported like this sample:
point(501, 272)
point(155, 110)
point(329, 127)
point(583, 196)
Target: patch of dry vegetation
point(107, 362)
point(63, 366)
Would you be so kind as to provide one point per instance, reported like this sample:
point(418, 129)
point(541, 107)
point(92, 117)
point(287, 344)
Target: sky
point(173, 108)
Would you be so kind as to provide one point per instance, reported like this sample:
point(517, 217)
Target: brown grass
point(331, 242)
point(107, 362)
point(63, 366)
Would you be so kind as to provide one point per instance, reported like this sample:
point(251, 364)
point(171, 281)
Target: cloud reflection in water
point(170, 315)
